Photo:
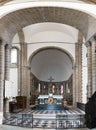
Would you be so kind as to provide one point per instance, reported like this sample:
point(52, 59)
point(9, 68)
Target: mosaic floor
point(45, 118)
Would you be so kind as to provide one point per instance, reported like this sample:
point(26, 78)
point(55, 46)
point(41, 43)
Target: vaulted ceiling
point(15, 21)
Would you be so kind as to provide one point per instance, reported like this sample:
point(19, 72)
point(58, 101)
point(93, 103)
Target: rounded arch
point(45, 48)
point(51, 61)
point(28, 16)
point(52, 31)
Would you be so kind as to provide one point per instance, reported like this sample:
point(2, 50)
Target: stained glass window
point(53, 88)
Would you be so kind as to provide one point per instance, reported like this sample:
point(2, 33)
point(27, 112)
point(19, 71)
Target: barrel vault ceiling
point(87, 1)
point(15, 21)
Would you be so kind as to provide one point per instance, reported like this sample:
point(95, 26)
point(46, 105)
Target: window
point(53, 88)
point(13, 56)
point(39, 87)
point(61, 89)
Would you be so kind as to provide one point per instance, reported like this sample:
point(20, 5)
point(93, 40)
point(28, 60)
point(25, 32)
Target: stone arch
point(57, 48)
point(47, 69)
point(45, 48)
point(16, 20)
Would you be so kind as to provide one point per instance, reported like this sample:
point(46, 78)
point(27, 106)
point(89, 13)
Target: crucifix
point(50, 79)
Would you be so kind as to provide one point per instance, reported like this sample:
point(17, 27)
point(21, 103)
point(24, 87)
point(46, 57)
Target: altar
point(50, 99)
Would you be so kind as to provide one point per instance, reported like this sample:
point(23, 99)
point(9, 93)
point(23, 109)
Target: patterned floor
point(72, 118)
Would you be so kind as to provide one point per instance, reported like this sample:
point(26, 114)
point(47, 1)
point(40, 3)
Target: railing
point(70, 121)
point(59, 122)
point(22, 120)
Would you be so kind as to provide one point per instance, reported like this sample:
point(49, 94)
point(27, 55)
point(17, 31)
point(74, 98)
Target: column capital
point(8, 46)
point(2, 41)
point(93, 38)
point(89, 43)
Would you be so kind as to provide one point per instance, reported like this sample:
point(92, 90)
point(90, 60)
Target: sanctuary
point(45, 92)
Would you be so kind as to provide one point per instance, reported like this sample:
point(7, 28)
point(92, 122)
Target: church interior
point(48, 64)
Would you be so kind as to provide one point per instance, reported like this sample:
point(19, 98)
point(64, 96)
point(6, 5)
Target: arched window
point(61, 89)
point(53, 88)
point(13, 56)
point(39, 87)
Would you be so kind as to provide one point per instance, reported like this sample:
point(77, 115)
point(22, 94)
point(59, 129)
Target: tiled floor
point(46, 119)
point(30, 112)
point(5, 127)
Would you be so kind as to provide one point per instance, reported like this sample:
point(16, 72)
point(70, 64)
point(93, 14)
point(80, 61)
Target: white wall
point(52, 62)
point(14, 80)
point(49, 33)
point(84, 74)
point(46, 35)
point(32, 48)
point(16, 42)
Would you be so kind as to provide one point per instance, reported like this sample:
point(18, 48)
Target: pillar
point(23, 70)
point(7, 72)
point(25, 73)
point(7, 61)
point(2, 55)
point(77, 87)
point(89, 64)
point(74, 86)
point(93, 65)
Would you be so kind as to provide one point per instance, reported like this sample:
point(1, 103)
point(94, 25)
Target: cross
point(50, 79)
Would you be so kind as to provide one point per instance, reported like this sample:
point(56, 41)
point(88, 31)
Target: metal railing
point(59, 122)
point(70, 121)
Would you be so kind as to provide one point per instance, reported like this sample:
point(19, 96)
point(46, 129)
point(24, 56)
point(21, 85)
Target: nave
point(47, 47)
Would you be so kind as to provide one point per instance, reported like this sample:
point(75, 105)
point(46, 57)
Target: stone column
point(7, 72)
point(23, 60)
point(25, 74)
point(93, 65)
point(7, 61)
point(89, 64)
point(24, 69)
point(78, 69)
point(28, 87)
point(74, 87)
point(2, 55)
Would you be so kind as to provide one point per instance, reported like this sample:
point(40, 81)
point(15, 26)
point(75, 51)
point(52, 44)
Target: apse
point(52, 63)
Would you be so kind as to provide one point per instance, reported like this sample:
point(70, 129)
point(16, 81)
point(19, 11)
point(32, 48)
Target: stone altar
point(50, 99)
